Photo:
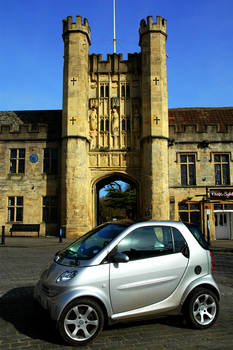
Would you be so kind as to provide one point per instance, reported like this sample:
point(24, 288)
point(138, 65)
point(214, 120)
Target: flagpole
point(114, 28)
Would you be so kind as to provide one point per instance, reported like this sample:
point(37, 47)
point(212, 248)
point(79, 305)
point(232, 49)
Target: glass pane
point(13, 166)
point(11, 201)
point(45, 201)
point(128, 125)
point(21, 166)
point(102, 91)
point(218, 207)
point(123, 91)
point(106, 91)
point(178, 240)
point(21, 153)
point(183, 206)
point(217, 158)
point(191, 159)
point(14, 153)
point(228, 206)
point(19, 201)
point(195, 217)
point(10, 214)
point(194, 206)
point(19, 214)
point(184, 217)
point(123, 124)
point(192, 177)
point(46, 165)
point(46, 152)
point(217, 174)
point(225, 158)
point(184, 174)
point(127, 91)
point(225, 173)
point(107, 125)
point(102, 125)
point(183, 158)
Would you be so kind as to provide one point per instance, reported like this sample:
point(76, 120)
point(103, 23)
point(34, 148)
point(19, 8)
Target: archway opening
point(116, 199)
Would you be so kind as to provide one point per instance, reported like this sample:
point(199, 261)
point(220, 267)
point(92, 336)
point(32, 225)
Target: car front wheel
point(202, 308)
point(81, 321)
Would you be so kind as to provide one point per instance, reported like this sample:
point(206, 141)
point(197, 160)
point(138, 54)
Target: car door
point(153, 272)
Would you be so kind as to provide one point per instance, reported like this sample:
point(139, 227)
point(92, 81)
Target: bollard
point(60, 236)
point(3, 234)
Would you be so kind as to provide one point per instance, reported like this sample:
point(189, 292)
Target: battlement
point(160, 26)
point(115, 63)
point(78, 26)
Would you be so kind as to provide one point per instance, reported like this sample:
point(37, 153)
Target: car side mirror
point(120, 258)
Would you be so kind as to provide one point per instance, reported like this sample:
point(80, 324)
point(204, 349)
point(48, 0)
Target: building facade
point(115, 124)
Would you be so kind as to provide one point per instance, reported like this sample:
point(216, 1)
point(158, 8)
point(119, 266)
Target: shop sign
point(221, 194)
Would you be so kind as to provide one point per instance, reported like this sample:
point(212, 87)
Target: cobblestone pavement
point(21, 328)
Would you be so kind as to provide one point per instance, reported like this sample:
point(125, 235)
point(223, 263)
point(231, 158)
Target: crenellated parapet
point(160, 26)
point(79, 26)
point(115, 63)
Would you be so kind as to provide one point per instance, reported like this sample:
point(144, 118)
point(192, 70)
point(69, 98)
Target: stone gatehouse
point(115, 123)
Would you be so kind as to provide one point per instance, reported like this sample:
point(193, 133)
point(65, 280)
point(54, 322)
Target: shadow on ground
point(17, 308)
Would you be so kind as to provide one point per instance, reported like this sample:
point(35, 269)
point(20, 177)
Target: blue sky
point(199, 46)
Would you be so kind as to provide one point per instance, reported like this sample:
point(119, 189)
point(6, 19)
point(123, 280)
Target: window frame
point(187, 165)
point(18, 160)
point(52, 168)
point(17, 208)
point(221, 164)
point(47, 208)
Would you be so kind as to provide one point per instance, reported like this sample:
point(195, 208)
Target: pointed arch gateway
point(125, 206)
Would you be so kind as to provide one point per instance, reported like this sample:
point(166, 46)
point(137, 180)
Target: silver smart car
point(122, 271)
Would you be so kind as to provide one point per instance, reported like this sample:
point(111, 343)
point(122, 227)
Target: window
point(104, 90)
point(50, 160)
point(190, 212)
point(125, 90)
point(17, 160)
point(221, 168)
point(188, 169)
point(15, 209)
point(50, 209)
point(146, 242)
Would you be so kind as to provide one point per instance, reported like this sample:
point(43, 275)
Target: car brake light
point(211, 261)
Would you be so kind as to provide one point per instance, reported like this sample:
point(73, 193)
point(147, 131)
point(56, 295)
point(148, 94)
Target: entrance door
point(153, 271)
point(223, 224)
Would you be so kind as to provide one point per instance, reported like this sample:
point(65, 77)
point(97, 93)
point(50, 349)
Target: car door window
point(179, 241)
point(147, 241)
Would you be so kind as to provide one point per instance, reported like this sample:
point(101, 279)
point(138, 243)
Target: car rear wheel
point(81, 321)
point(202, 308)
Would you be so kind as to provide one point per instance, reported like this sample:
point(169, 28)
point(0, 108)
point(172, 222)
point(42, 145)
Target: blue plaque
point(33, 158)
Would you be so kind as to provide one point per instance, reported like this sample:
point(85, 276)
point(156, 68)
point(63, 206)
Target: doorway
point(223, 224)
point(116, 199)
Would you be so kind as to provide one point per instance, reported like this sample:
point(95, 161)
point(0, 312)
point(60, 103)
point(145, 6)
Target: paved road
point(21, 328)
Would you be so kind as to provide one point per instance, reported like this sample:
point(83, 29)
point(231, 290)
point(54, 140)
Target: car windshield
point(198, 235)
point(87, 246)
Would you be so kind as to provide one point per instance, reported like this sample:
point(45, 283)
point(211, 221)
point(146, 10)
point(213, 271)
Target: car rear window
point(194, 229)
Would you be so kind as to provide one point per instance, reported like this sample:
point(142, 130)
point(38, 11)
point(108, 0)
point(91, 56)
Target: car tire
point(202, 308)
point(81, 321)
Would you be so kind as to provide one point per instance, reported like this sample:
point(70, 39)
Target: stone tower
point(75, 144)
point(154, 141)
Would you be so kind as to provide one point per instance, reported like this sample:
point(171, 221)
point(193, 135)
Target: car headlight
point(67, 275)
